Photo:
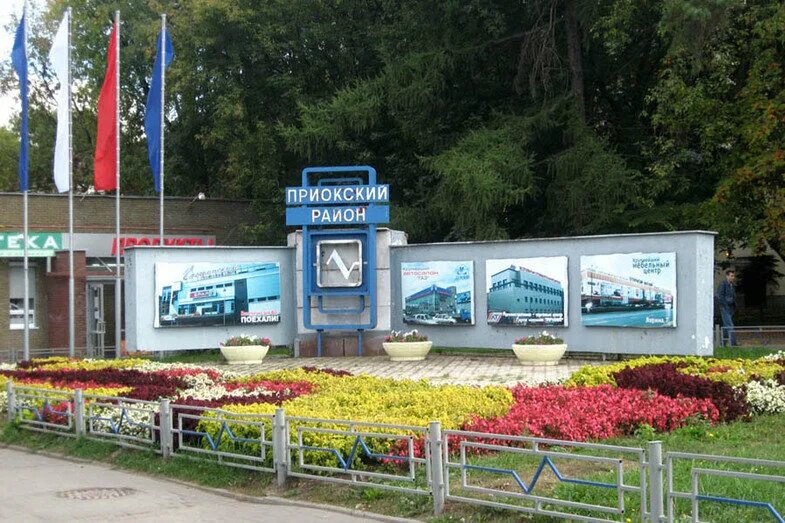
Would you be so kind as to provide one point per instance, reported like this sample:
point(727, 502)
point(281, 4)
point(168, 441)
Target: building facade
point(518, 290)
point(604, 291)
point(432, 300)
point(188, 222)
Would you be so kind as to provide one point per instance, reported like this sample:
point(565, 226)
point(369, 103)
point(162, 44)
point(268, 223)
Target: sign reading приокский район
point(337, 205)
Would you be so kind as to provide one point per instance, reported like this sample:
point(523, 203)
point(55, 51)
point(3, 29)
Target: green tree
point(488, 118)
point(9, 160)
point(719, 133)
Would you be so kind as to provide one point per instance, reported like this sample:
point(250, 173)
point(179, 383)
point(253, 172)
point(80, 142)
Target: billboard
point(527, 291)
point(438, 292)
point(629, 290)
point(202, 294)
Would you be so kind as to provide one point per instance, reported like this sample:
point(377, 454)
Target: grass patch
point(758, 439)
point(747, 353)
point(471, 351)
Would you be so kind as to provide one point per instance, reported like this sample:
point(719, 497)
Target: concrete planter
point(539, 354)
point(407, 351)
point(244, 354)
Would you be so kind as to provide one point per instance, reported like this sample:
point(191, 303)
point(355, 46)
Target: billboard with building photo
point(629, 290)
point(438, 293)
point(202, 294)
point(527, 291)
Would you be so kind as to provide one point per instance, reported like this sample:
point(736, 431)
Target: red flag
point(105, 163)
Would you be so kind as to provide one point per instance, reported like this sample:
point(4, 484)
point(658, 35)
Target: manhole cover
point(91, 494)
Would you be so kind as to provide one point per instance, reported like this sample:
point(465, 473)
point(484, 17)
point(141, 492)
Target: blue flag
point(19, 59)
point(152, 113)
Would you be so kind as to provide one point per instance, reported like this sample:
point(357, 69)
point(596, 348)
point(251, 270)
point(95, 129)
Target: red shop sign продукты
point(129, 241)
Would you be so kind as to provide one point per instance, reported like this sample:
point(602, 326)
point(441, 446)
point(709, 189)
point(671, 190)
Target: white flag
point(58, 57)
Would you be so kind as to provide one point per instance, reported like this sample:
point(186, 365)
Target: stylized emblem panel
point(339, 263)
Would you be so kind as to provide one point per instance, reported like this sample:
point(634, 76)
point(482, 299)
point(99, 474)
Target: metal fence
point(354, 445)
point(709, 466)
point(750, 336)
point(10, 355)
point(542, 455)
point(493, 470)
point(232, 439)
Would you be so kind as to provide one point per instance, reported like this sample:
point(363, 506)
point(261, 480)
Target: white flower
point(766, 397)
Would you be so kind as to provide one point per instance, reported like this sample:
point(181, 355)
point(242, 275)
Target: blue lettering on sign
point(337, 215)
point(338, 194)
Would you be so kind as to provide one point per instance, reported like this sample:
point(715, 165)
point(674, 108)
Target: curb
point(266, 500)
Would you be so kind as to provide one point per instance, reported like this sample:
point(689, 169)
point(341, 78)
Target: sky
point(9, 103)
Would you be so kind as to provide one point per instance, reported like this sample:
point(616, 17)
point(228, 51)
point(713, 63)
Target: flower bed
point(596, 403)
point(734, 372)
point(584, 413)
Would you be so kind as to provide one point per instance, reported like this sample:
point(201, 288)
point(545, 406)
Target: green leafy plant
point(244, 341)
point(398, 336)
point(544, 338)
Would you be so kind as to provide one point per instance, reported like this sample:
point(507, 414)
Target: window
point(16, 284)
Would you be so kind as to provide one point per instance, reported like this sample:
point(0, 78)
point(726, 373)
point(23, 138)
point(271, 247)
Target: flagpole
point(118, 315)
point(71, 283)
point(26, 264)
point(161, 165)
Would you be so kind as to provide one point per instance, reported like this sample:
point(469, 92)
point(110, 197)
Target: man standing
point(726, 296)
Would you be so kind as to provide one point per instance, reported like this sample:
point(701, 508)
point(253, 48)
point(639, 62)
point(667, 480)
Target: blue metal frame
point(125, 419)
point(366, 234)
point(359, 442)
point(744, 503)
point(215, 442)
point(46, 408)
point(546, 461)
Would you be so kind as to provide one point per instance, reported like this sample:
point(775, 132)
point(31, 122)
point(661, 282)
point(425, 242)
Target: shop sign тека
point(39, 244)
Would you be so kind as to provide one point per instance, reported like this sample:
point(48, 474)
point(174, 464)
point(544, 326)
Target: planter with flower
point(542, 349)
point(406, 346)
point(245, 349)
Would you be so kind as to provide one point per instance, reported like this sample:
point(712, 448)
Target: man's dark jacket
point(726, 295)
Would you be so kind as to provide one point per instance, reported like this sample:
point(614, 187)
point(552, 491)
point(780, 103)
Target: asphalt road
point(641, 318)
point(39, 488)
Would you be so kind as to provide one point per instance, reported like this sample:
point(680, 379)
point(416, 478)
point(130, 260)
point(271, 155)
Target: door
point(96, 324)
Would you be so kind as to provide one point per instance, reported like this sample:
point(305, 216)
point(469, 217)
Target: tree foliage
point(488, 118)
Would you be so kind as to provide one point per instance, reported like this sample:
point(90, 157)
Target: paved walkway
point(41, 488)
point(437, 368)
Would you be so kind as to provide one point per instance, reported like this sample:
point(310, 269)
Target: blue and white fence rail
point(43, 410)
point(706, 466)
point(750, 335)
point(309, 463)
point(129, 422)
point(520, 493)
point(241, 440)
point(449, 468)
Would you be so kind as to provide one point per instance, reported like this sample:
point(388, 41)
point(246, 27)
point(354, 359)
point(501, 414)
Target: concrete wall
point(694, 280)
point(140, 299)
